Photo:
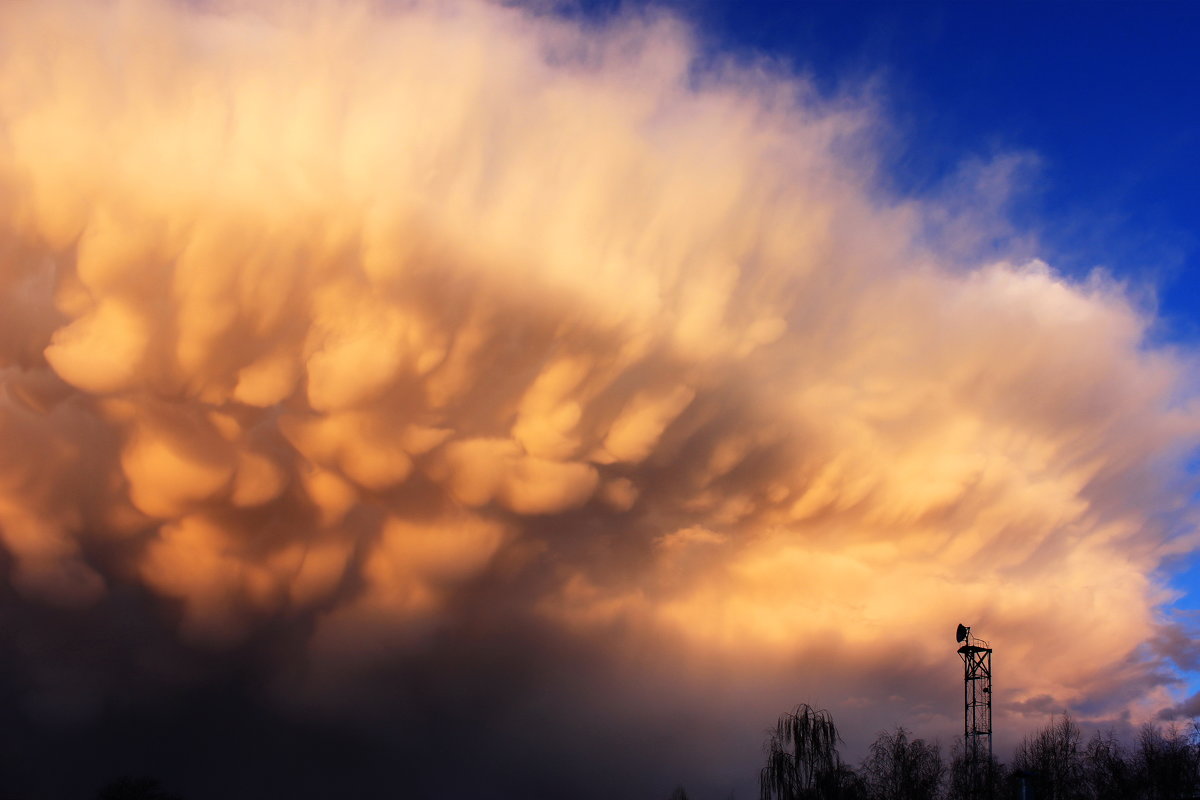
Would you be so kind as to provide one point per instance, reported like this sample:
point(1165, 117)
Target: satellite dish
point(961, 633)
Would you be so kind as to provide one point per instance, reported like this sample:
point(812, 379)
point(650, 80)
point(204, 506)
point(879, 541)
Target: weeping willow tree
point(802, 756)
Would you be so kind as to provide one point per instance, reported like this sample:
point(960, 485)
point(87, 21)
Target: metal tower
point(977, 710)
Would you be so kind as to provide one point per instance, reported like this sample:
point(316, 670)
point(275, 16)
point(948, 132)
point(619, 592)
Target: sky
point(1095, 97)
point(470, 399)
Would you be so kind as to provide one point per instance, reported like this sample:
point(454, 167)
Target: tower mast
point(977, 710)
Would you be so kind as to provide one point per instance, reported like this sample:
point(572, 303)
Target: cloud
point(414, 340)
point(1188, 709)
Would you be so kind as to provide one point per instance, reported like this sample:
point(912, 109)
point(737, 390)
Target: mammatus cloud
point(364, 328)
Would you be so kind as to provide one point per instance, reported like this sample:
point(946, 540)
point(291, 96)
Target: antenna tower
point(977, 711)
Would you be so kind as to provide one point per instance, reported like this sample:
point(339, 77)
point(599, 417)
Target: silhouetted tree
point(1054, 760)
point(802, 758)
point(897, 768)
point(989, 784)
point(678, 794)
point(843, 783)
point(1166, 763)
point(127, 788)
point(1107, 773)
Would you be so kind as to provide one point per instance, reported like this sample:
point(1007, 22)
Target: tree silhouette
point(127, 788)
point(802, 763)
point(965, 782)
point(1053, 760)
point(1107, 772)
point(897, 768)
point(1166, 763)
point(802, 758)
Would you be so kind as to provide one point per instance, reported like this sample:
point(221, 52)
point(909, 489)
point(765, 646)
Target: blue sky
point(1100, 98)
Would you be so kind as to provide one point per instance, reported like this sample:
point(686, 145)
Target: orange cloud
point(345, 313)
